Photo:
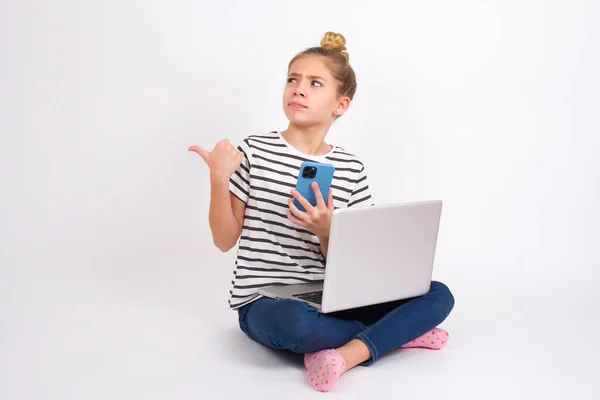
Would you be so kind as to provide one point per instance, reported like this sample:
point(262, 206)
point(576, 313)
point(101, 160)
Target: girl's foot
point(324, 369)
point(434, 339)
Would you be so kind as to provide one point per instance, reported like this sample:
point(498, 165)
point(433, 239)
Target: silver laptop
point(376, 254)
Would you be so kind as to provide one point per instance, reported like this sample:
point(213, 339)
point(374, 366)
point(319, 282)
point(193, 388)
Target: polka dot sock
point(324, 369)
point(434, 339)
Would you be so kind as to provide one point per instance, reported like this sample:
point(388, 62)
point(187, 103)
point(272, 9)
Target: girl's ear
point(342, 106)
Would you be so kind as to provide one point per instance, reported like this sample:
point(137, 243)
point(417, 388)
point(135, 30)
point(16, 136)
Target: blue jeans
point(298, 327)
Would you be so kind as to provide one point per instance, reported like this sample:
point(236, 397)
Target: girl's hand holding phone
point(316, 219)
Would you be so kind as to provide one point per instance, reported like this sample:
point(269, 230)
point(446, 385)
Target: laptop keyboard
point(315, 297)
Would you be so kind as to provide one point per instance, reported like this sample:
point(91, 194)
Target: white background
point(110, 286)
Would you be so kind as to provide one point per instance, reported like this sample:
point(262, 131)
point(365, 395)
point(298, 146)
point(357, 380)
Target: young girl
point(252, 188)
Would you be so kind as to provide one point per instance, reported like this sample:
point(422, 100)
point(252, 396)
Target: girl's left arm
point(324, 246)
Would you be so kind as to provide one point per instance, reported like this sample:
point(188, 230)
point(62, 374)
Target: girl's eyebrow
point(295, 74)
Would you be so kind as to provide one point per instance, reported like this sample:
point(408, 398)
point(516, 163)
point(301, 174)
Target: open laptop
point(376, 254)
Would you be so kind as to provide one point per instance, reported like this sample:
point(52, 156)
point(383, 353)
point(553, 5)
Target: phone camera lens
point(309, 172)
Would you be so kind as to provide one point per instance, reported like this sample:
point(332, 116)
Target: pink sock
point(434, 339)
point(324, 369)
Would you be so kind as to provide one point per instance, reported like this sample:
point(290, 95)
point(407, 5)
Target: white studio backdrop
point(490, 106)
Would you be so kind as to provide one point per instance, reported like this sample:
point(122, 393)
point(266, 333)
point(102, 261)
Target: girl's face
point(310, 97)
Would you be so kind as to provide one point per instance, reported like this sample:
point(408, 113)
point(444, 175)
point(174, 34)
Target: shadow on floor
point(237, 345)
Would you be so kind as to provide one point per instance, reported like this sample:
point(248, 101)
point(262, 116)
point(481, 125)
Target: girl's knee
point(441, 292)
point(285, 324)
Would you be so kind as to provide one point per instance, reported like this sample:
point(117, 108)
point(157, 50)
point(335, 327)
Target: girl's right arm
point(226, 215)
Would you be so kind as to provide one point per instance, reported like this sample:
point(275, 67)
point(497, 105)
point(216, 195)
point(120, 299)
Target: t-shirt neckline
point(299, 153)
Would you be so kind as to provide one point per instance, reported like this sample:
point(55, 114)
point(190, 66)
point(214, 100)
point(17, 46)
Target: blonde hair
point(333, 49)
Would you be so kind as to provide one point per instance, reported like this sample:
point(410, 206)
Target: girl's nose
point(299, 91)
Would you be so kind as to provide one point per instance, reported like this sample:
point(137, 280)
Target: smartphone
point(313, 172)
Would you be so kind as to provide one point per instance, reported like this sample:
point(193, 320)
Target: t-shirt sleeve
point(239, 183)
point(361, 194)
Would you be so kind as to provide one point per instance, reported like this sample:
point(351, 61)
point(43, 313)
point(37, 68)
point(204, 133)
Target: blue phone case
point(323, 175)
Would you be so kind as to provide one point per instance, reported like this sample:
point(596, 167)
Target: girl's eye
point(314, 83)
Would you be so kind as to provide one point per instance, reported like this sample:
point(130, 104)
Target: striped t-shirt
point(273, 250)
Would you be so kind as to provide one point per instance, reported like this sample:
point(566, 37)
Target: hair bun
point(334, 41)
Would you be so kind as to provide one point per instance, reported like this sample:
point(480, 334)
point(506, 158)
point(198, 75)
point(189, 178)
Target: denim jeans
point(298, 327)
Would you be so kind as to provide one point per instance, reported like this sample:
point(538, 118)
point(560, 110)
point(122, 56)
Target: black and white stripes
point(272, 250)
